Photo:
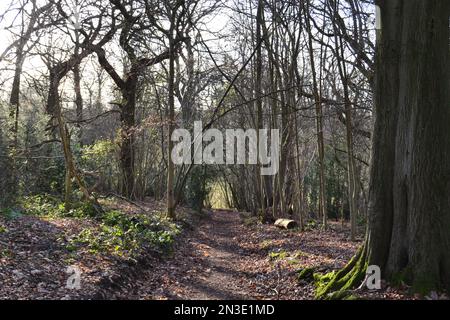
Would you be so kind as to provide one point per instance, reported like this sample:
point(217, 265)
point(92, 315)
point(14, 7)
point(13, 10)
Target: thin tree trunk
point(128, 123)
point(259, 116)
point(77, 89)
point(352, 196)
point(319, 124)
point(171, 126)
point(14, 103)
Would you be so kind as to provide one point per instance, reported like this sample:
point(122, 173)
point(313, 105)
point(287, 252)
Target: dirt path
point(224, 259)
point(205, 266)
point(217, 242)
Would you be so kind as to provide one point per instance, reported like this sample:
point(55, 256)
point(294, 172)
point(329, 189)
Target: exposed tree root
point(337, 285)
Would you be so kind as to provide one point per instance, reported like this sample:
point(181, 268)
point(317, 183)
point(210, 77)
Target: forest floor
point(222, 256)
point(226, 259)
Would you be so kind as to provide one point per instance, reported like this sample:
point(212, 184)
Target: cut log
point(285, 223)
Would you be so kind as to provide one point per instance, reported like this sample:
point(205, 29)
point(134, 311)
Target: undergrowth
point(114, 232)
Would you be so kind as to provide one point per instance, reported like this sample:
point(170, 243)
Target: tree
point(319, 120)
point(29, 27)
point(343, 74)
point(259, 103)
point(133, 27)
point(57, 71)
point(409, 201)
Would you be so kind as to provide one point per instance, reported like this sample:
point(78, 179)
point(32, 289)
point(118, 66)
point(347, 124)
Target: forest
point(224, 150)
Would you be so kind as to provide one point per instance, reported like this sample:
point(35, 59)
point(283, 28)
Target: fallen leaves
point(222, 258)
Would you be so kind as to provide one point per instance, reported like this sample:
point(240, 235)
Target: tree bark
point(351, 178)
point(77, 89)
point(259, 115)
point(127, 150)
point(410, 174)
point(171, 127)
point(319, 123)
point(409, 198)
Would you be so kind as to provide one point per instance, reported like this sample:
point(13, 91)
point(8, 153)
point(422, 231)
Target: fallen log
point(285, 223)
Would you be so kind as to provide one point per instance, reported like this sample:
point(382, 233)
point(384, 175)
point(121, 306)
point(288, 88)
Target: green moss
point(322, 280)
point(306, 274)
point(336, 285)
point(351, 297)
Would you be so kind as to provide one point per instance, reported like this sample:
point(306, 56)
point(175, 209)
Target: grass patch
point(278, 255)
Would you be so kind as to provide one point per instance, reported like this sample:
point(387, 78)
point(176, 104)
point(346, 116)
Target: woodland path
point(207, 265)
point(224, 259)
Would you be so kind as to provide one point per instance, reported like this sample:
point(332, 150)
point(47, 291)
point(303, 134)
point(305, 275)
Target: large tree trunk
point(409, 200)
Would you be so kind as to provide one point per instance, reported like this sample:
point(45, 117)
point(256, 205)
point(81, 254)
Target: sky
point(34, 65)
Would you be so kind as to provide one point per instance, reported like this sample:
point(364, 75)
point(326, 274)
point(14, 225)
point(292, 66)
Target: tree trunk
point(171, 126)
point(259, 115)
point(409, 199)
point(319, 124)
point(410, 173)
point(14, 102)
point(127, 119)
point(351, 178)
point(77, 89)
point(78, 102)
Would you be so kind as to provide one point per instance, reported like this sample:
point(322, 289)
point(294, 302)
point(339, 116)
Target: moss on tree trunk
point(409, 200)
